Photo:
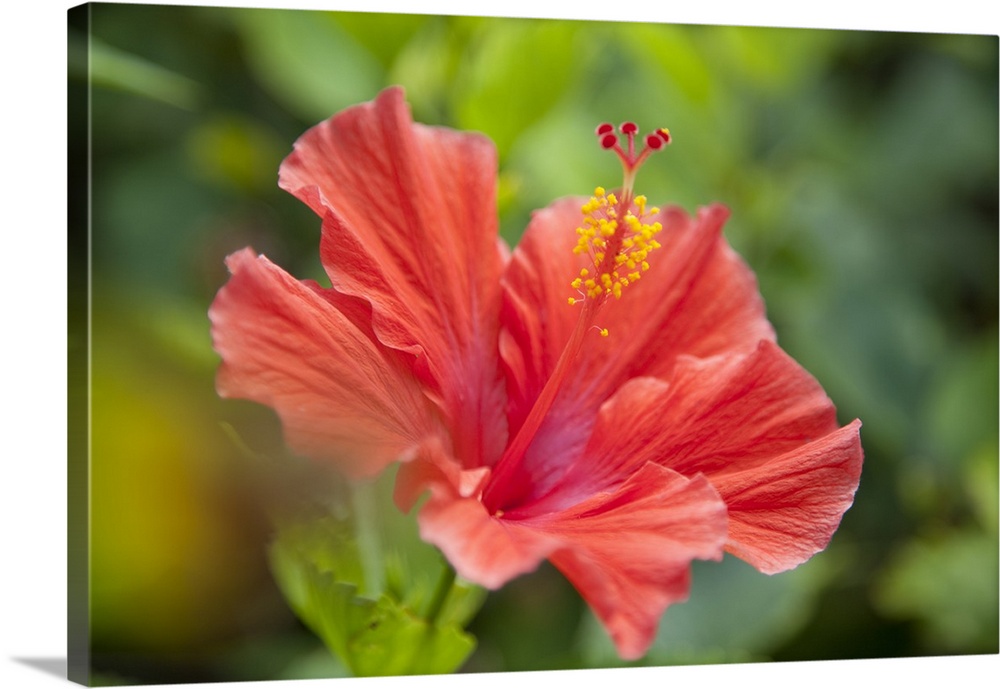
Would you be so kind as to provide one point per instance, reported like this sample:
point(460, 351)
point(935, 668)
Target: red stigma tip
point(630, 158)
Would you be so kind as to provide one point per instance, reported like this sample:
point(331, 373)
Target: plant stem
point(368, 533)
point(444, 585)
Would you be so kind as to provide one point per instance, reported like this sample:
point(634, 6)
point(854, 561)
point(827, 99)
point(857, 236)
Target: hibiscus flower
point(608, 396)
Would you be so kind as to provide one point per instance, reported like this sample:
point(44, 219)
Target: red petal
point(481, 547)
point(764, 432)
point(623, 439)
point(537, 321)
point(698, 297)
point(628, 552)
point(435, 468)
point(759, 427)
point(340, 395)
point(733, 413)
point(410, 226)
point(786, 511)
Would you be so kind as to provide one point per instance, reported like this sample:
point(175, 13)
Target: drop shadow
point(57, 667)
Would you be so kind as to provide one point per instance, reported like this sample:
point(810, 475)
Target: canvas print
point(409, 344)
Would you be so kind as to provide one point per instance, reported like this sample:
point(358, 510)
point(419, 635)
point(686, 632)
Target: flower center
point(618, 246)
point(618, 240)
point(614, 232)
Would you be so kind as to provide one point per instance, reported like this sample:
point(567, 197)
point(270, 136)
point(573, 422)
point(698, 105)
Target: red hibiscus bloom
point(609, 396)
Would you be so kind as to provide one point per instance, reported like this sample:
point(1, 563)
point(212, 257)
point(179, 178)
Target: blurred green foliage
point(861, 169)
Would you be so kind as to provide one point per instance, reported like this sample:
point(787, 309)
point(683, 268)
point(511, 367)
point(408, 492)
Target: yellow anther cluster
point(628, 238)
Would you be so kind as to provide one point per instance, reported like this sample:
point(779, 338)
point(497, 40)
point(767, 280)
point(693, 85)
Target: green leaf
point(671, 50)
point(515, 73)
point(949, 585)
point(772, 59)
point(426, 66)
point(370, 589)
point(116, 69)
point(381, 34)
point(308, 61)
point(981, 486)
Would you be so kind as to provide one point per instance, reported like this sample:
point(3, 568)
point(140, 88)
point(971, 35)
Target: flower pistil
point(616, 235)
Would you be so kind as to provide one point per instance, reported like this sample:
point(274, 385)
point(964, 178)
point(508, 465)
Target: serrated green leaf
point(371, 637)
point(393, 621)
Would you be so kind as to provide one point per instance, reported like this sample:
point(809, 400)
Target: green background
point(861, 170)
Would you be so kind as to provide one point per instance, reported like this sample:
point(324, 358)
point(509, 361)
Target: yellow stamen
point(625, 241)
